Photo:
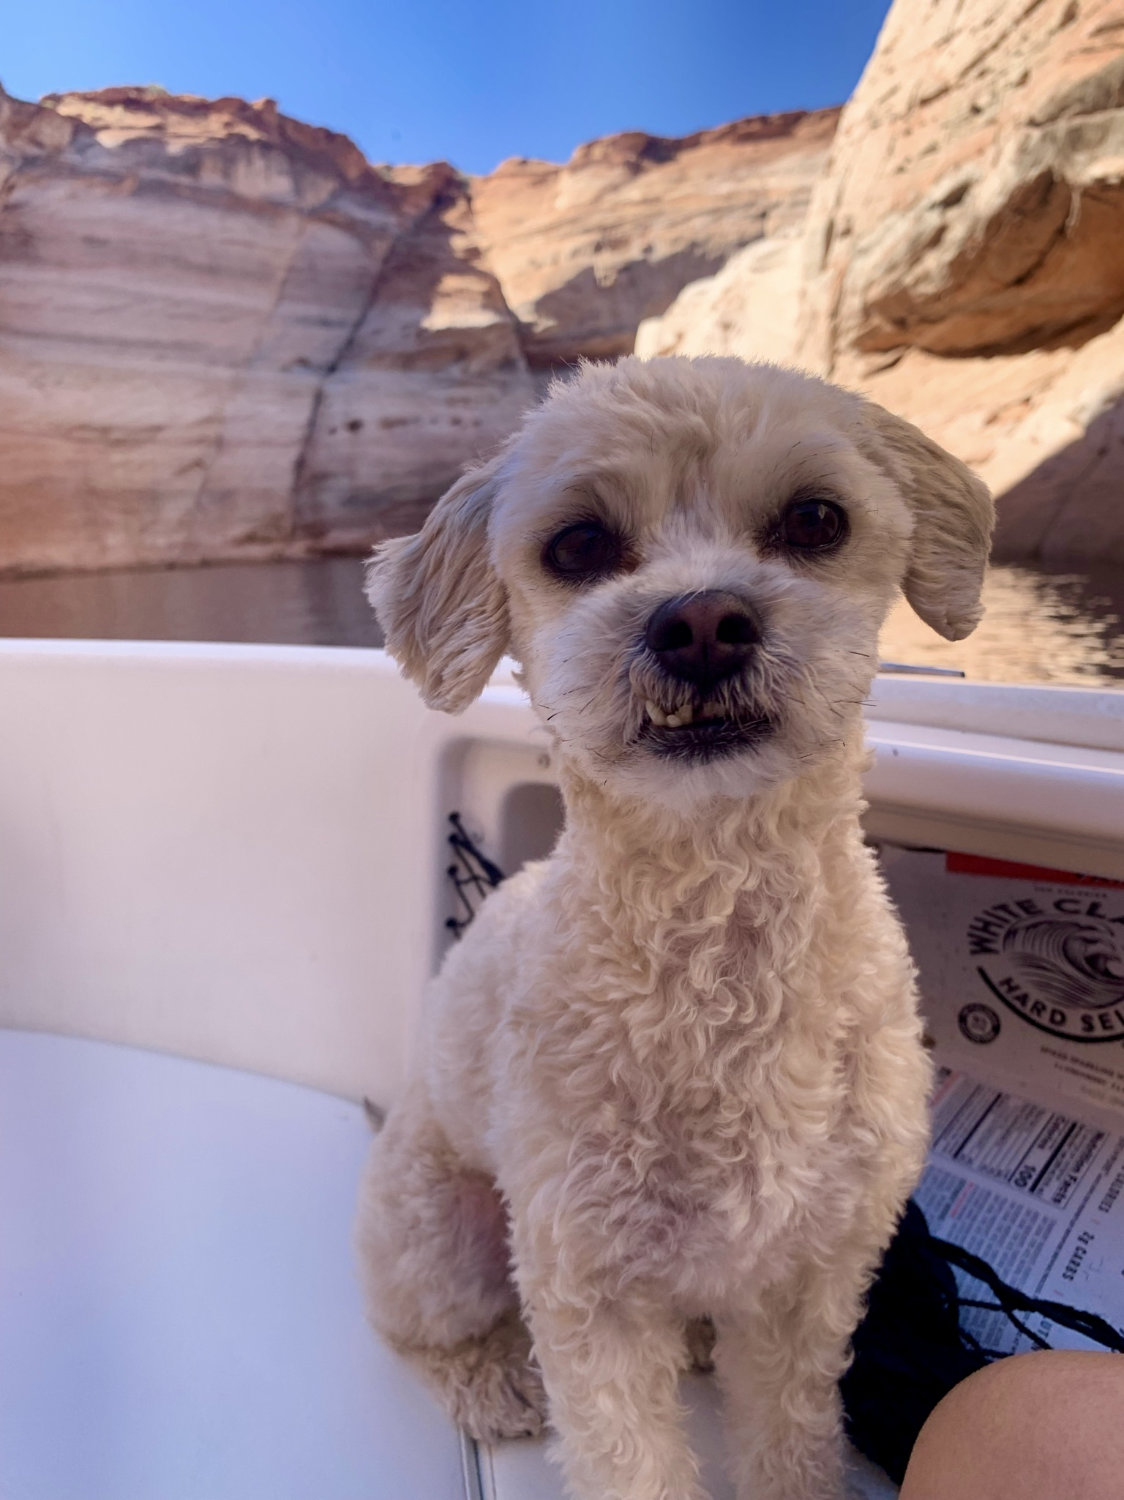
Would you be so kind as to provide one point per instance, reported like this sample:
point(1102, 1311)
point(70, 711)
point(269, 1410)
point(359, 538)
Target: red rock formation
point(966, 250)
point(973, 201)
point(225, 333)
point(586, 250)
point(963, 259)
point(189, 289)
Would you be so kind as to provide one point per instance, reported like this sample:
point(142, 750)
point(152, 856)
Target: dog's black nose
point(703, 638)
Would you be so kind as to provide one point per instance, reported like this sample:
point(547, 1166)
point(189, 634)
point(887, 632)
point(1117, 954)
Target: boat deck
point(179, 1312)
point(222, 887)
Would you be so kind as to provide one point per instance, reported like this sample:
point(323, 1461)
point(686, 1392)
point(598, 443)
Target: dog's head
point(691, 560)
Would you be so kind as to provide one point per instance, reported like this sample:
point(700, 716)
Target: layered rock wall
point(973, 201)
point(190, 293)
point(585, 251)
point(965, 255)
point(225, 333)
point(963, 259)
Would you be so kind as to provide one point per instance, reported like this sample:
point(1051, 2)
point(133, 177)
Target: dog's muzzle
point(702, 643)
point(703, 638)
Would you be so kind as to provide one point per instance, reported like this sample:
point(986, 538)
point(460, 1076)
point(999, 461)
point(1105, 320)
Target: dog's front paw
point(502, 1399)
point(492, 1386)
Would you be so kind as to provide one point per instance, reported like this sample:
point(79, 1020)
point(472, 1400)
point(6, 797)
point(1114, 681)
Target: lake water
point(1040, 626)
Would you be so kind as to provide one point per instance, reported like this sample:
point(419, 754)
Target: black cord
point(1010, 1300)
point(473, 874)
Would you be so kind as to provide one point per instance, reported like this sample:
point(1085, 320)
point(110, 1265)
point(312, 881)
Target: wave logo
point(1058, 964)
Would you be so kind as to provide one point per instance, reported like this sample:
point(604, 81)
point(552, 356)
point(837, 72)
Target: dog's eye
point(583, 553)
point(813, 525)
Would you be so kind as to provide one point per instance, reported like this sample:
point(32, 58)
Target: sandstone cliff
point(225, 333)
point(200, 303)
point(587, 250)
point(963, 258)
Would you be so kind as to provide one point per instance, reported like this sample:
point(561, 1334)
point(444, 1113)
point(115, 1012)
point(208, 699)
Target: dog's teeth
point(678, 719)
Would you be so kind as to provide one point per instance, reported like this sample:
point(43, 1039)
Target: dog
point(676, 1069)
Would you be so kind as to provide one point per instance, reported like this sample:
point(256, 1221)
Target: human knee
point(1035, 1427)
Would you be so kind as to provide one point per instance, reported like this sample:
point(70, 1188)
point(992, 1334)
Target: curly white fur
point(676, 1069)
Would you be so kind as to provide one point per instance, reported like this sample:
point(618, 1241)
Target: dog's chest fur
point(693, 1100)
point(674, 1103)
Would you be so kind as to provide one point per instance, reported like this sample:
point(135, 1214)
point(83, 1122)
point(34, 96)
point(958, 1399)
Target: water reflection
point(301, 604)
point(1040, 626)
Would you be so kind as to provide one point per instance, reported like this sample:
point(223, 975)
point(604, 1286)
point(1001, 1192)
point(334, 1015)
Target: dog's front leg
point(779, 1361)
point(611, 1372)
point(432, 1237)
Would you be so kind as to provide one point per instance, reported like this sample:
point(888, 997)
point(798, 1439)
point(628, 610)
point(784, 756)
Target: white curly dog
point(675, 1069)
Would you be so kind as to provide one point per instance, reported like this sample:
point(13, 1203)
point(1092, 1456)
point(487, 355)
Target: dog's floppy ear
point(442, 608)
point(953, 515)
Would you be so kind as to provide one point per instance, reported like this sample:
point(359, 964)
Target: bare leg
point(1035, 1427)
point(612, 1374)
point(432, 1239)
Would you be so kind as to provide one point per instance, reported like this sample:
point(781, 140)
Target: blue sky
point(415, 80)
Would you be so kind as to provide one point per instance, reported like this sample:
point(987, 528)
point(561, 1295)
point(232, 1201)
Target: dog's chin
point(705, 766)
point(715, 752)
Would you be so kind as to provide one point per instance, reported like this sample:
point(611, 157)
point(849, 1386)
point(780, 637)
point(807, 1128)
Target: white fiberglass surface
point(237, 853)
point(179, 1314)
point(520, 1471)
